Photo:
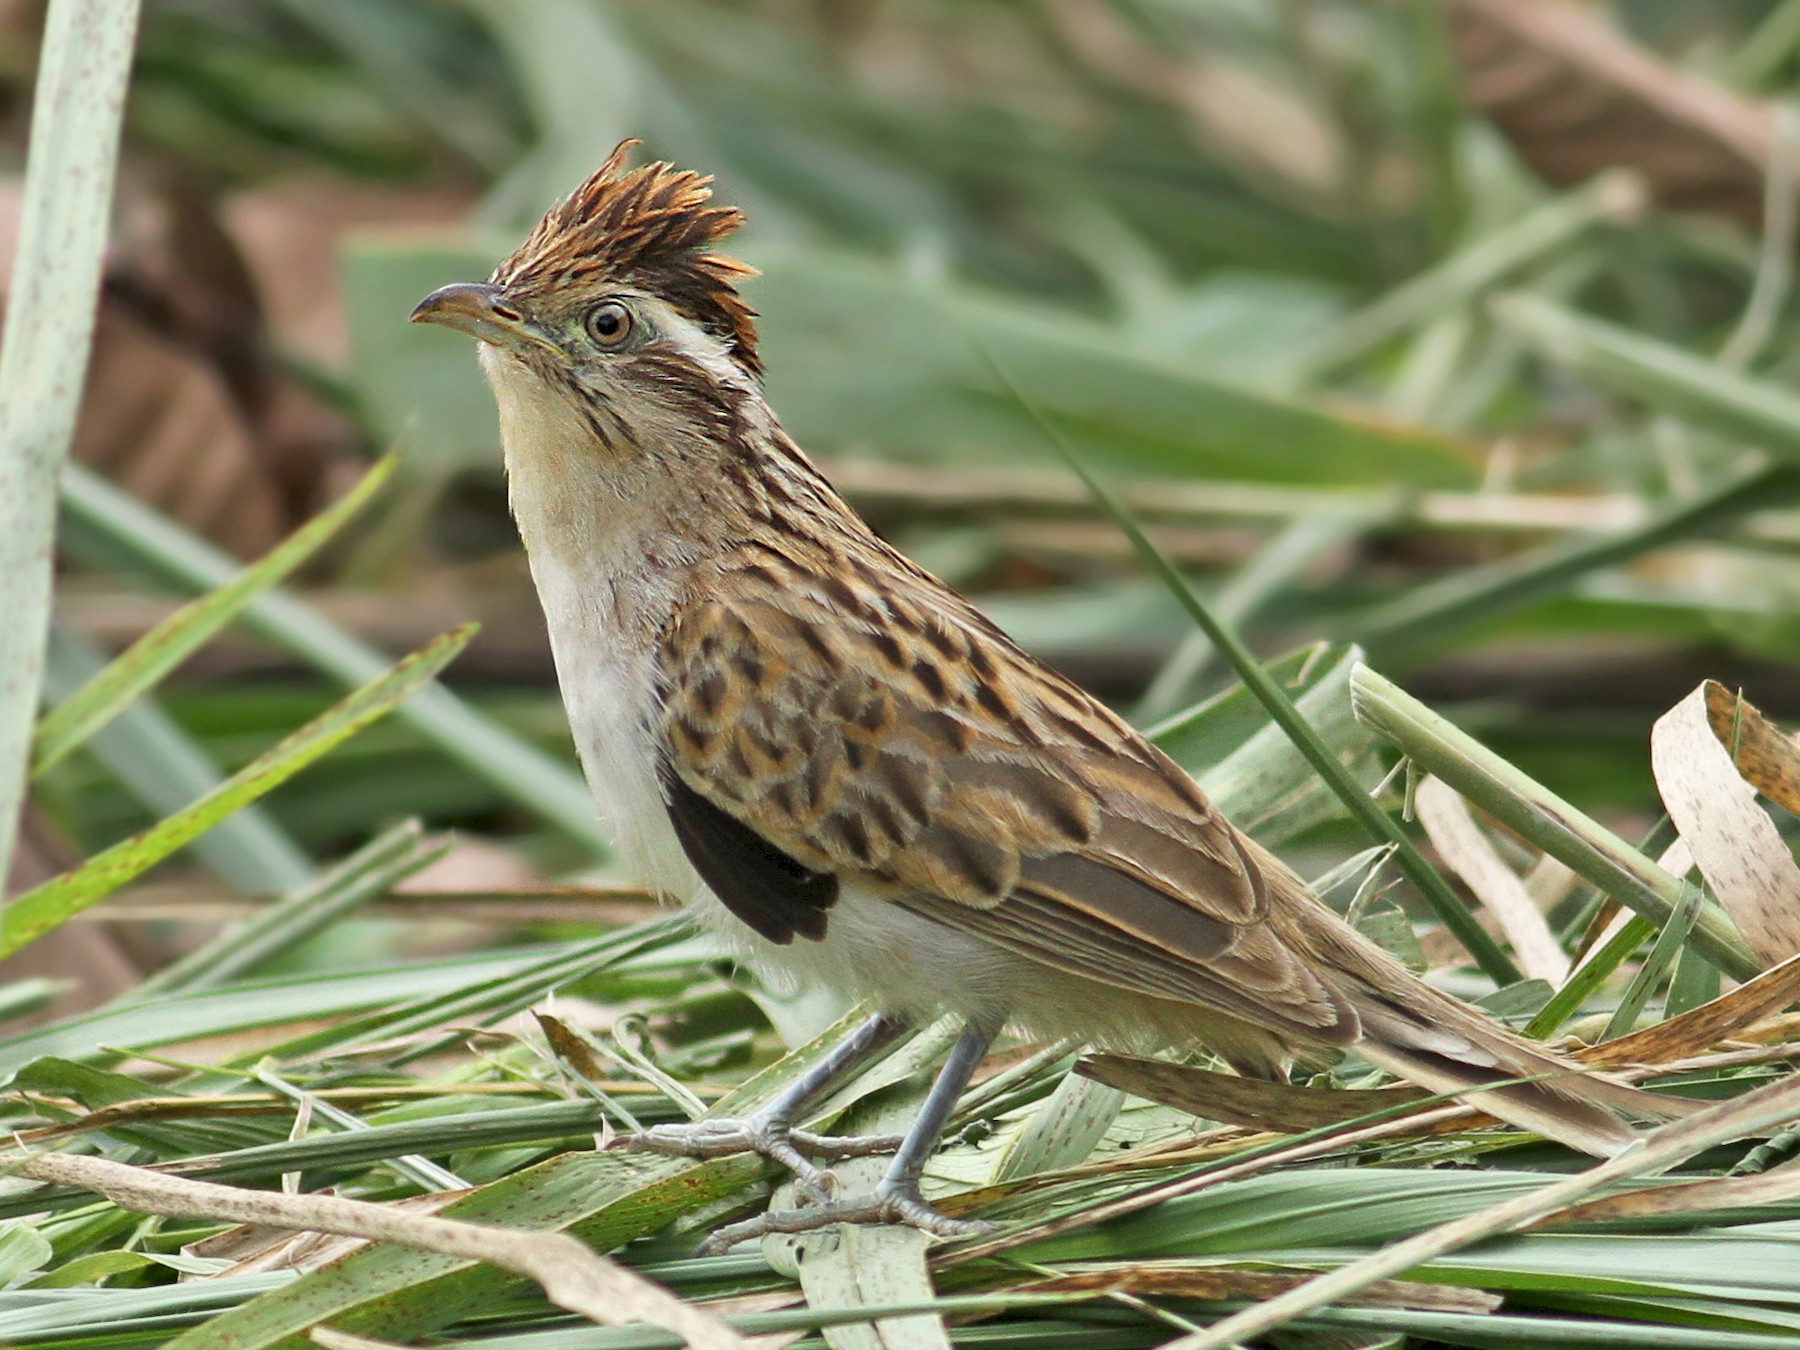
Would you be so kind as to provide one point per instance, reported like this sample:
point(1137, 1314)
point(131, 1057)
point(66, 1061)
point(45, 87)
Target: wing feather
point(893, 743)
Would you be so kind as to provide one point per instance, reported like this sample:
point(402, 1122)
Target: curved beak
point(478, 309)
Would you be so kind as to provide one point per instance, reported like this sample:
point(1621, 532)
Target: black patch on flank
point(774, 893)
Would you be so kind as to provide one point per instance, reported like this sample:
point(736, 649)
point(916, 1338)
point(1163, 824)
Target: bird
point(854, 777)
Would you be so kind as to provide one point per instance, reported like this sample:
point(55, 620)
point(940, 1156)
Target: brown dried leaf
point(1715, 1193)
point(569, 1045)
point(161, 422)
point(1733, 841)
point(176, 269)
point(1763, 755)
point(1574, 97)
point(257, 1248)
point(1248, 1102)
point(184, 405)
point(1181, 1279)
point(1701, 1028)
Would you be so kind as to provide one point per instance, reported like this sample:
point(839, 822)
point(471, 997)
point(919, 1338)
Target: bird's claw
point(774, 1139)
point(889, 1204)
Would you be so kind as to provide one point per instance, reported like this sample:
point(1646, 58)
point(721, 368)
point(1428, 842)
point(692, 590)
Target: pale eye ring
point(610, 323)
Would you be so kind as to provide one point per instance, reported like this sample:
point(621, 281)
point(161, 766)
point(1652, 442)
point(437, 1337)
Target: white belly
point(607, 688)
point(873, 948)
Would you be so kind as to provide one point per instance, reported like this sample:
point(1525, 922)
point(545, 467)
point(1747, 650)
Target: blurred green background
point(1457, 333)
point(1317, 280)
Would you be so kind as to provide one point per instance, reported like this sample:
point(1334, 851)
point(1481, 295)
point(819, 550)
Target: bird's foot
point(891, 1203)
point(770, 1136)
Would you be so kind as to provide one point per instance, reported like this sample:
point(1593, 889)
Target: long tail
point(1426, 1036)
point(1461, 1051)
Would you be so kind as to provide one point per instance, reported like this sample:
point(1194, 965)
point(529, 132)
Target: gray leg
point(897, 1198)
point(771, 1131)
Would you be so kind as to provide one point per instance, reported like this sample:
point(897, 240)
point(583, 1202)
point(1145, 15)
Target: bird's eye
point(609, 323)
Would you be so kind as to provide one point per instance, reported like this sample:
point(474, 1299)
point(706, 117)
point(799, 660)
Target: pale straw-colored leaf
point(1733, 841)
point(573, 1276)
point(1472, 856)
point(55, 282)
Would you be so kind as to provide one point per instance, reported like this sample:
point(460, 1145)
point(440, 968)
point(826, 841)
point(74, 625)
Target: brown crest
point(650, 228)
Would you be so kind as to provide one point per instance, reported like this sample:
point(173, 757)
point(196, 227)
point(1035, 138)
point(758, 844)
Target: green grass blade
point(1477, 269)
point(316, 996)
point(484, 1001)
point(385, 860)
point(1588, 977)
point(55, 284)
point(173, 640)
point(1539, 816)
point(1444, 902)
point(527, 775)
point(605, 1199)
point(43, 908)
point(1662, 376)
point(158, 763)
point(1662, 956)
point(1273, 568)
point(1428, 615)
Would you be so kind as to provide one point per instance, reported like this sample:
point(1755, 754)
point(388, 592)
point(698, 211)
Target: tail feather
point(1562, 1101)
point(1427, 1037)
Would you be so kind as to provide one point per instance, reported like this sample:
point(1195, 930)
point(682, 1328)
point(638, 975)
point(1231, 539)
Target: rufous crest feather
point(650, 228)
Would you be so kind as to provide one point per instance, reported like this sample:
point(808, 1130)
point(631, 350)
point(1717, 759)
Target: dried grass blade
point(1699, 1028)
point(1733, 841)
point(1754, 1112)
point(1460, 842)
point(573, 1276)
point(1693, 1197)
point(1246, 1102)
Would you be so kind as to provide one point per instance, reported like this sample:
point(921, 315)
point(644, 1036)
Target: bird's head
point(615, 314)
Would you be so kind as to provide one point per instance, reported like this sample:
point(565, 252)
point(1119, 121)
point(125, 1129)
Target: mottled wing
point(867, 725)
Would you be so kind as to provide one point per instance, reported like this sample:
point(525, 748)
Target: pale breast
point(608, 690)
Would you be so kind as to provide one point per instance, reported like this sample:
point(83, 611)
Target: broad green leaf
point(22, 1250)
point(606, 1199)
point(409, 371)
point(44, 907)
point(859, 354)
